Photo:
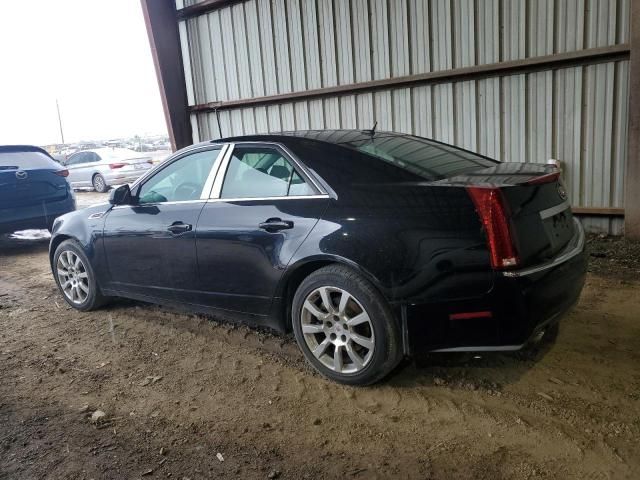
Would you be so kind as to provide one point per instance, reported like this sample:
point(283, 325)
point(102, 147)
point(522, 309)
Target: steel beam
point(203, 7)
point(515, 67)
point(632, 176)
point(598, 211)
point(162, 29)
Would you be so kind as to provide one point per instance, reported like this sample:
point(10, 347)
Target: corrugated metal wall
point(577, 115)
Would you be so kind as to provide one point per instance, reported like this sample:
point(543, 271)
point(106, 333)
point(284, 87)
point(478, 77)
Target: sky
point(93, 56)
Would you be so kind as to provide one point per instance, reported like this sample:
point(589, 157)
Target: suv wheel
point(345, 327)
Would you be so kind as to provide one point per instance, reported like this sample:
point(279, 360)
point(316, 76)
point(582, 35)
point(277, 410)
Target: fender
point(85, 226)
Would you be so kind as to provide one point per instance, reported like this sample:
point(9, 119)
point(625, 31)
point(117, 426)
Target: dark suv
point(33, 189)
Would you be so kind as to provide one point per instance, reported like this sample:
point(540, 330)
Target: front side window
point(181, 180)
point(259, 172)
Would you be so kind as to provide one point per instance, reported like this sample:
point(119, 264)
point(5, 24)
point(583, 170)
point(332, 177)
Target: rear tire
point(99, 183)
point(75, 277)
point(345, 327)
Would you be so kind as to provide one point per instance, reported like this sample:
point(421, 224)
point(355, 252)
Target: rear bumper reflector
point(470, 315)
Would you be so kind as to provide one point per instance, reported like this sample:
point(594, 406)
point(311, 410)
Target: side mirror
point(120, 195)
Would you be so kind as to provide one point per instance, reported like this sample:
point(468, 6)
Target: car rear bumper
point(520, 306)
point(37, 216)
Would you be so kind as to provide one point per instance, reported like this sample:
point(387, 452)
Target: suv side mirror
point(120, 195)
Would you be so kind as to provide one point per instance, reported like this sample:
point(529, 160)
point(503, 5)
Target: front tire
point(345, 327)
point(75, 277)
point(99, 183)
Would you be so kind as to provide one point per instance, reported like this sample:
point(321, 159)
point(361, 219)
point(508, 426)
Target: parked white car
point(102, 167)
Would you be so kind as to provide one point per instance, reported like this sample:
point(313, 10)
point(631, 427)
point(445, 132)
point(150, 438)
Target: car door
point(150, 244)
point(264, 206)
point(76, 164)
point(90, 166)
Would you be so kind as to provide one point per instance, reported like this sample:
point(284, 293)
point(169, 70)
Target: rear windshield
point(26, 161)
point(430, 160)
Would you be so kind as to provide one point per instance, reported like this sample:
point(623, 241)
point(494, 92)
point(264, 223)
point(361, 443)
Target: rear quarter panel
point(416, 244)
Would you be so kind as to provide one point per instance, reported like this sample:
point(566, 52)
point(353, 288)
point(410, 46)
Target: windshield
point(428, 159)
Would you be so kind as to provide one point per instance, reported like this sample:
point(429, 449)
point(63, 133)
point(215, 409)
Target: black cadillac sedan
point(368, 245)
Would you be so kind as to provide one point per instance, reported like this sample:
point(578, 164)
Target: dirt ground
point(177, 390)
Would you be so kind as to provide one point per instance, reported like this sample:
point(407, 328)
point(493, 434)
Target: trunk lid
point(537, 206)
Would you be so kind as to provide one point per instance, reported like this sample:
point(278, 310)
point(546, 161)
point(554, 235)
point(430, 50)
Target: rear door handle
point(179, 227)
point(275, 224)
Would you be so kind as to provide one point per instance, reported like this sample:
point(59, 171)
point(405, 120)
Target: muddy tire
point(345, 327)
point(75, 277)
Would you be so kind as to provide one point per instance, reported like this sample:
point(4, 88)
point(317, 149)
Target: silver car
point(102, 167)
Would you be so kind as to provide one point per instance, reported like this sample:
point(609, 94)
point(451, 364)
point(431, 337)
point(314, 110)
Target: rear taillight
point(62, 173)
point(491, 208)
point(113, 166)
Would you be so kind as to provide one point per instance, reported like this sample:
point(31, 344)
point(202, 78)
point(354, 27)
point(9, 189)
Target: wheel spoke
point(83, 275)
point(326, 300)
point(77, 262)
point(64, 273)
point(337, 358)
point(63, 261)
point(320, 349)
point(84, 287)
point(314, 310)
point(70, 258)
point(312, 328)
point(358, 319)
point(360, 340)
point(65, 284)
point(344, 299)
point(355, 358)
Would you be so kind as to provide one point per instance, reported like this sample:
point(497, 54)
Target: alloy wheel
point(337, 329)
point(99, 183)
point(73, 277)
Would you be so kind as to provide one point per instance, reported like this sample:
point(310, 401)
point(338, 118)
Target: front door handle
point(276, 224)
point(179, 227)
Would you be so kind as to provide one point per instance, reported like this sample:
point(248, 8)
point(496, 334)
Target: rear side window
point(256, 172)
point(26, 161)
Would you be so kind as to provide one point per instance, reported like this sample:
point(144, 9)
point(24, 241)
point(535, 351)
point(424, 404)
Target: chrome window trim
point(177, 202)
point(217, 186)
point(208, 185)
point(574, 248)
point(221, 172)
point(253, 199)
point(550, 212)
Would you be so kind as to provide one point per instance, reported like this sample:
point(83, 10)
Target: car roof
point(336, 137)
point(22, 148)
point(109, 151)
